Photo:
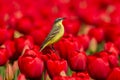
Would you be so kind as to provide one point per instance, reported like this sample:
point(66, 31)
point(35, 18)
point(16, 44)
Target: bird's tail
point(42, 47)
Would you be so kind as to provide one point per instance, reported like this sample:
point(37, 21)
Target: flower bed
point(89, 49)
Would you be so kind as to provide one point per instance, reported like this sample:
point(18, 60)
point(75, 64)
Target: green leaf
point(69, 72)
point(100, 46)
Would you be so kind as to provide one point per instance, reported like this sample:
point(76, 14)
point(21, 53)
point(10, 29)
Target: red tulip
point(104, 55)
point(65, 78)
point(111, 49)
point(30, 64)
point(115, 32)
point(83, 8)
point(21, 77)
point(117, 43)
point(66, 45)
point(10, 47)
point(50, 56)
point(75, 76)
point(115, 74)
point(82, 75)
point(115, 17)
point(94, 32)
point(83, 40)
point(39, 35)
point(3, 56)
point(55, 67)
point(25, 25)
point(77, 61)
point(25, 40)
point(113, 61)
point(98, 68)
point(110, 58)
point(72, 26)
point(5, 35)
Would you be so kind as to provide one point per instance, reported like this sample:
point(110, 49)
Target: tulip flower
point(3, 56)
point(115, 74)
point(30, 64)
point(39, 32)
point(66, 45)
point(25, 40)
point(55, 67)
point(5, 35)
point(25, 25)
point(21, 77)
point(98, 68)
point(77, 61)
point(83, 40)
point(82, 75)
point(110, 58)
point(10, 47)
point(94, 32)
point(111, 49)
point(72, 26)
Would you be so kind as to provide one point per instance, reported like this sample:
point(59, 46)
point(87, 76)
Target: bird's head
point(58, 20)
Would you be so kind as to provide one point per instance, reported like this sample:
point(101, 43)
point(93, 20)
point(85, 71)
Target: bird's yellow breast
point(55, 34)
point(58, 35)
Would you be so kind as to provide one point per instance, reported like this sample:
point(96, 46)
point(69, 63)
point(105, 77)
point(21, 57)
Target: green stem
point(2, 71)
point(16, 74)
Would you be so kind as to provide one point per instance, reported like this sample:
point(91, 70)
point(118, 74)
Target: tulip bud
point(82, 75)
point(39, 32)
point(93, 45)
point(30, 64)
point(110, 58)
point(115, 74)
point(5, 35)
point(25, 25)
point(66, 45)
point(98, 68)
point(75, 76)
point(83, 40)
point(113, 61)
point(3, 56)
point(49, 56)
point(21, 77)
point(96, 33)
point(9, 72)
point(63, 78)
point(10, 47)
point(66, 78)
point(72, 26)
point(26, 41)
point(111, 49)
point(77, 61)
point(55, 68)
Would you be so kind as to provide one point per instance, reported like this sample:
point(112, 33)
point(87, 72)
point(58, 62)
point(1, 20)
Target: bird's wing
point(52, 34)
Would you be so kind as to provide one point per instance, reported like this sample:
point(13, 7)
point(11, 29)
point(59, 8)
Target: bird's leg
point(52, 47)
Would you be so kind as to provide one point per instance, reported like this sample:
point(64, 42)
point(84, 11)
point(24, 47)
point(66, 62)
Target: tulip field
point(88, 50)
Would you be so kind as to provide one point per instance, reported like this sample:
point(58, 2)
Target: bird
point(55, 34)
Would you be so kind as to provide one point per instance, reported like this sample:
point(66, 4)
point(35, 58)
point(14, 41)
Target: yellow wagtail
point(55, 34)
